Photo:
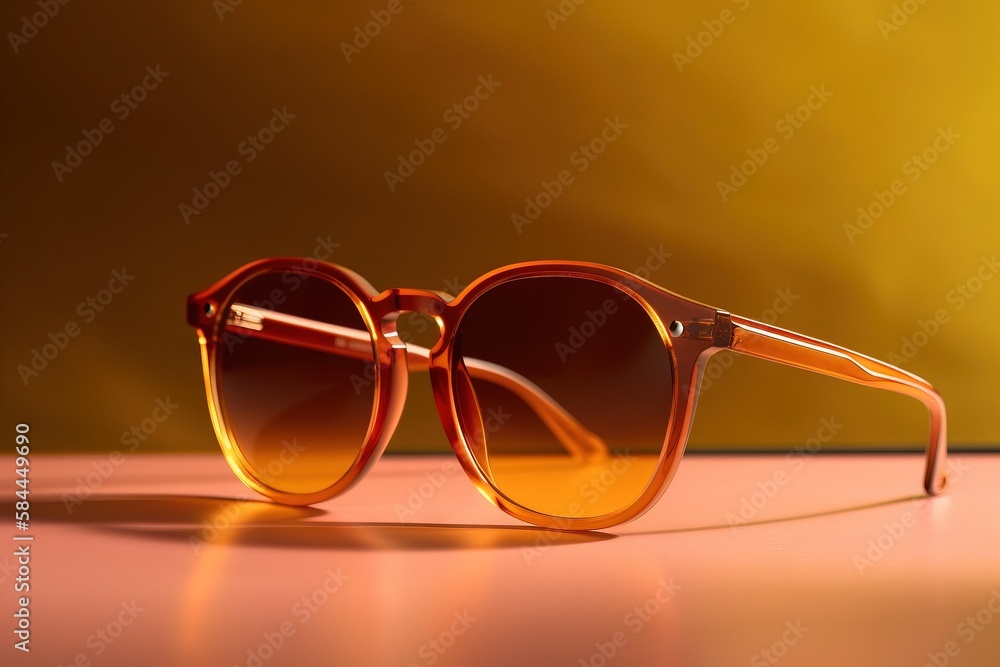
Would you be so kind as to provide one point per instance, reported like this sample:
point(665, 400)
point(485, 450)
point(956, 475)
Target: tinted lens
point(530, 350)
point(297, 408)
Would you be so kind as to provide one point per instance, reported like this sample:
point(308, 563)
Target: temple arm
point(357, 344)
point(785, 347)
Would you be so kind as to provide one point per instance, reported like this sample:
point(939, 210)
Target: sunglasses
point(567, 389)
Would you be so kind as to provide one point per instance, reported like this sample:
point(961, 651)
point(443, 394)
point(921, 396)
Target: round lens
point(295, 379)
point(563, 387)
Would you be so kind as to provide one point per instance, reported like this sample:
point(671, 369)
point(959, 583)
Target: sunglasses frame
point(691, 332)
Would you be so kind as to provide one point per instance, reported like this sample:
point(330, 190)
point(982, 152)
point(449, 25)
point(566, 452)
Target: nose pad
point(470, 417)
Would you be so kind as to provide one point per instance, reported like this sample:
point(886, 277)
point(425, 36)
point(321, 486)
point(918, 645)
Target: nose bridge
point(390, 304)
point(428, 302)
point(394, 302)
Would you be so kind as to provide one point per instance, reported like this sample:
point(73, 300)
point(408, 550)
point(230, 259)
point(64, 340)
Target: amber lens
point(539, 345)
point(298, 414)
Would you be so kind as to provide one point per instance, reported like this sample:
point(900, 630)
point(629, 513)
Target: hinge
point(698, 329)
point(718, 330)
point(723, 329)
point(243, 317)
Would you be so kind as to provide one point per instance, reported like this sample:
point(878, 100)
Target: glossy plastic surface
point(703, 331)
point(768, 342)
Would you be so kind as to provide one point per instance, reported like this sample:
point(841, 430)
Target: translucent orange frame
point(691, 331)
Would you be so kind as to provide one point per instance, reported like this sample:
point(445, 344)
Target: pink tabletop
point(746, 560)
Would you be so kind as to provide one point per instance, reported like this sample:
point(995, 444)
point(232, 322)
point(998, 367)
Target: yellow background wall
point(881, 92)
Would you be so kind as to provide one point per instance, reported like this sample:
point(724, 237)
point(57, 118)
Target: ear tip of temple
point(937, 485)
